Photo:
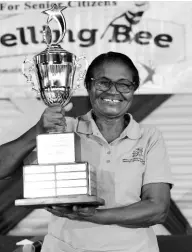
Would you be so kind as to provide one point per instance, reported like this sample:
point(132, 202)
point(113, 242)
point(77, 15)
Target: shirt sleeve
point(158, 168)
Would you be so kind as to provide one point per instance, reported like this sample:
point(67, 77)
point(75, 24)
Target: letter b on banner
point(121, 33)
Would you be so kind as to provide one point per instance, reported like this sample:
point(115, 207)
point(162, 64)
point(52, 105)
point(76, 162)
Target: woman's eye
point(104, 82)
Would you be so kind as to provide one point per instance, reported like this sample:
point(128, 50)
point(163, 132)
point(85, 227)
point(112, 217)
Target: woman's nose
point(112, 89)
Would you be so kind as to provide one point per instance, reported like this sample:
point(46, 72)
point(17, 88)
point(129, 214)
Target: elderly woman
point(133, 173)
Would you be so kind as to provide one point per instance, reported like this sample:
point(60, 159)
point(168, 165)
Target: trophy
point(59, 177)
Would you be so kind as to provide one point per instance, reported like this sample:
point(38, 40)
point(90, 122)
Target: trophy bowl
point(55, 69)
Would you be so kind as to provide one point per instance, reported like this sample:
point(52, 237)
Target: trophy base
point(61, 200)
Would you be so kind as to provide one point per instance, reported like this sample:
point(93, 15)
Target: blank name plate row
point(65, 191)
point(56, 180)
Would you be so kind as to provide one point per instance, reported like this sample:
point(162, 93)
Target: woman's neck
point(110, 128)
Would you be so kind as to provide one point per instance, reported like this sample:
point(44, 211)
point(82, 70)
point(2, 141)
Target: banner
point(157, 36)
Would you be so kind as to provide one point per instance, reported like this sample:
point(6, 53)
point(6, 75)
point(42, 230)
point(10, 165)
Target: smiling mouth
point(111, 101)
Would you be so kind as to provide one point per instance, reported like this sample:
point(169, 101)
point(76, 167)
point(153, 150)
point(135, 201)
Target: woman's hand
point(61, 211)
point(86, 211)
point(53, 119)
point(74, 213)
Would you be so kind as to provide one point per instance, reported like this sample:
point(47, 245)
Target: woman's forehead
point(108, 68)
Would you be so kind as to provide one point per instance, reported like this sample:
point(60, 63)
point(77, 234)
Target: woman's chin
point(111, 112)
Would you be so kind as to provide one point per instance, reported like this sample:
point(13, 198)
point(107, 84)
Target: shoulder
point(151, 132)
point(152, 135)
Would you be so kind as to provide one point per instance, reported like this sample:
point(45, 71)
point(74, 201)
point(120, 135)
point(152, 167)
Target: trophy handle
point(82, 73)
point(28, 74)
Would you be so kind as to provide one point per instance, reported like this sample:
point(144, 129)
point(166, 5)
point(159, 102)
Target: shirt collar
point(133, 130)
point(86, 125)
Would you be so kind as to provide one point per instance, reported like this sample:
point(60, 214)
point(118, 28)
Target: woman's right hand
point(53, 119)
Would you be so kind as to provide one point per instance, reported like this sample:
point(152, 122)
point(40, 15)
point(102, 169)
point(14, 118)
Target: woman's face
point(111, 103)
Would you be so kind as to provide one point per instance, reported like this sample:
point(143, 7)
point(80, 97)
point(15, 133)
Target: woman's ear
point(88, 86)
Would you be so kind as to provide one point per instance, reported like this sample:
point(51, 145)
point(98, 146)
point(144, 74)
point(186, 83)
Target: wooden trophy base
point(61, 200)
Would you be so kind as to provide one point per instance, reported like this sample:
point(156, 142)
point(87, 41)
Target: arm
point(152, 209)
point(13, 153)
point(155, 192)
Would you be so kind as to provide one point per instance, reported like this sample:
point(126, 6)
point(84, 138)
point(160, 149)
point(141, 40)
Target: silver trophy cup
point(59, 177)
point(55, 69)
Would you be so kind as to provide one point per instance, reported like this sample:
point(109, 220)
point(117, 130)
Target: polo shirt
point(137, 157)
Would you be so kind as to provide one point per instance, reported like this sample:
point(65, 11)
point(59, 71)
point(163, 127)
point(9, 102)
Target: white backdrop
point(159, 42)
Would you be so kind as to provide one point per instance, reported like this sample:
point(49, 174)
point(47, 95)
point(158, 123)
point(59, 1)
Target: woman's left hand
point(87, 211)
point(76, 213)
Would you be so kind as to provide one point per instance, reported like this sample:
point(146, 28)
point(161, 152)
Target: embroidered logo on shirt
point(137, 155)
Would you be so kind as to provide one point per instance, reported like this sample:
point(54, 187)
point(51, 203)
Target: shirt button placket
point(108, 153)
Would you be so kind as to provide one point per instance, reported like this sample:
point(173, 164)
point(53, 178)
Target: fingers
point(68, 107)
point(59, 108)
point(54, 211)
point(59, 211)
point(57, 111)
point(62, 212)
point(85, 211)
point(53, 119)
point(75, 208)
point(74, 213)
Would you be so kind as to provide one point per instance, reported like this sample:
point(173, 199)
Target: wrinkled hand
point(74, 213)
point(53, 119)
point(86, 211)
point(61, 211)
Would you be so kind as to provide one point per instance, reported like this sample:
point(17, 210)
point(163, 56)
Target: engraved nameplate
point(56, 148)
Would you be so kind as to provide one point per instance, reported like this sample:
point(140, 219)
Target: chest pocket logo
point(137, 156)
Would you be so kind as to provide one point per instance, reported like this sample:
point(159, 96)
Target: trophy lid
point(55, 54)
point(55, 48)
